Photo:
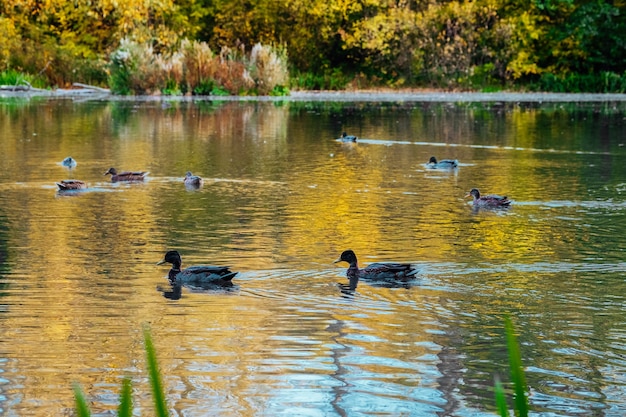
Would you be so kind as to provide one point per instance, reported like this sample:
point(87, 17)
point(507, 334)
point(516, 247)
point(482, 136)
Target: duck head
point(111, 171)
point(347, 256)
point(171, 257)
point(473, 193)
point(432, 160)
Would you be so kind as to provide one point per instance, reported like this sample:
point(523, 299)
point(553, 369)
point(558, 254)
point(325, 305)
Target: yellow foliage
point(8, 41)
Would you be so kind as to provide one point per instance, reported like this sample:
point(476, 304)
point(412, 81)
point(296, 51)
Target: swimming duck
point(347, 138)
point(126, 175)
point(193, 180)
point(66, 185)
point(69, 162)
point(375, 272)
point(488, 200)
point(443, 164)
point(217, 275)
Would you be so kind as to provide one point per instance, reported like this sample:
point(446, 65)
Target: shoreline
point(410, 95)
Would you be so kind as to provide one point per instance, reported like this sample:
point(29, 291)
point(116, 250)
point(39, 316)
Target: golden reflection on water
point(281, 200)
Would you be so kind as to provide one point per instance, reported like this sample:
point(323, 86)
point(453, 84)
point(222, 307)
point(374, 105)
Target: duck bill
point(337, 260)
point(161, 262)
point(467, 195)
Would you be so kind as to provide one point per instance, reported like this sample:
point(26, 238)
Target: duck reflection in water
point(385, 274)
point(175, 290)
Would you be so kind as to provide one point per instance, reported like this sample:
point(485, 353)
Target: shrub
point(16, 78)
point(136, 69)
point(197, 62)
point(268, 68)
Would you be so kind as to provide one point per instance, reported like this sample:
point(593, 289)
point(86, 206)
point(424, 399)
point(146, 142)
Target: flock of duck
point(222, 276)
point(128, 176)
point(486, 201)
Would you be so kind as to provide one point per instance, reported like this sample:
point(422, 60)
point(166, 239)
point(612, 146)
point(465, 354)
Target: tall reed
point(125, 408)
point(517, 376)
point(195, 69)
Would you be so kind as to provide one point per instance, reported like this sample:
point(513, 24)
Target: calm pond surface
point(282, 198)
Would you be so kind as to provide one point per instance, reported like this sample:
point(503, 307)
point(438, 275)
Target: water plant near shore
point(517, 377)
point(125, 408)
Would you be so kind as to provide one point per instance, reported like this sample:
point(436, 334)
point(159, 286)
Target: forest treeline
point(269, 46)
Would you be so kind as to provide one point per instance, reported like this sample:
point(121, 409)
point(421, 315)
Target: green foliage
point(121, 68)
point(501, 405)
point(126, 401)
point(82, 409)
point(204, 88)
point(279, 91)
point(517, 376)
point(16, 78)
point(218, 91)
point(330, 80)
point(155, 376)
point(328, 44)
point(605, 82)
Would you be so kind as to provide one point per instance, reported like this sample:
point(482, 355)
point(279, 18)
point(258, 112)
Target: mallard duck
point(217, 275)
point(66, 185)
point(126, 175)
point(347, 138)
point(69, 162)
point(443, 164)
point(375, 272)
point(193, 180)
point(488, 200)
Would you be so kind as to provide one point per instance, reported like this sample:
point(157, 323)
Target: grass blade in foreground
point(155, 377)
point(82, 409)
point(126, 402)
point(517, 372)
point(503, 410)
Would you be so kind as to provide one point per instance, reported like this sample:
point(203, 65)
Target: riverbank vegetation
point(269, 46)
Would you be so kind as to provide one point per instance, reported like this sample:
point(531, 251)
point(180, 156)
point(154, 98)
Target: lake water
point(282, 198)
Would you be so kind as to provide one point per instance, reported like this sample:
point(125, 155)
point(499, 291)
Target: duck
point(443, 164)
point(126, 175)
point(488, 200)
point(69, 162)
point(347, 138)
point(381, 271)
point(193, 180)
point(67, 185)
point(206, 274)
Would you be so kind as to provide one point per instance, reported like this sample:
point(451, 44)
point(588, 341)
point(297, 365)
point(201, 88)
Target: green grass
point(16, 78)
point(125, 408)
point(155, 376)
point(82, 409)
point(517, 376)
